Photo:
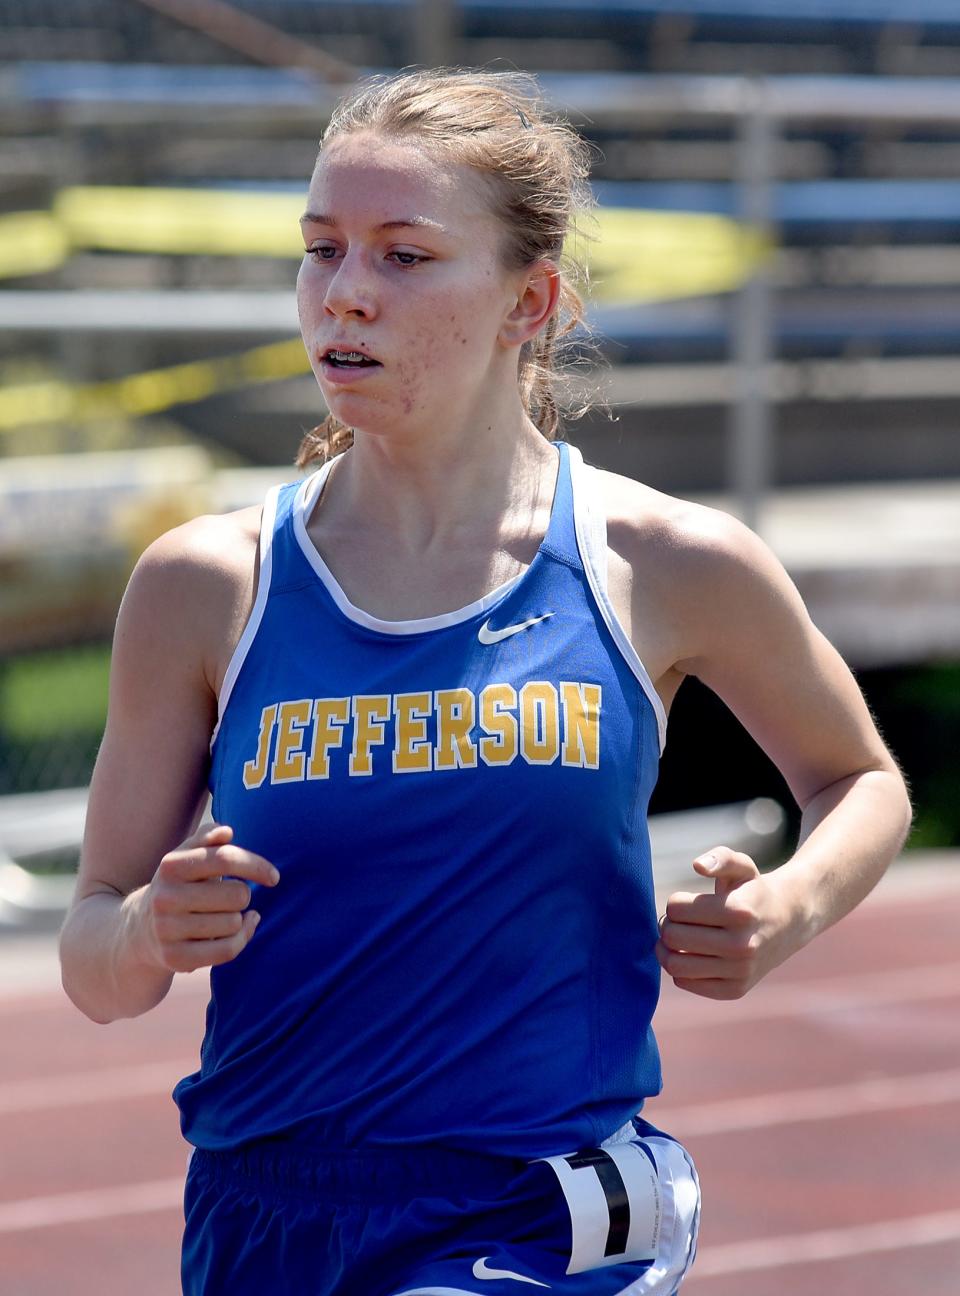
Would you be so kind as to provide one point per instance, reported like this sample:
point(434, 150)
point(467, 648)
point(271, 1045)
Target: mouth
point(345, 358)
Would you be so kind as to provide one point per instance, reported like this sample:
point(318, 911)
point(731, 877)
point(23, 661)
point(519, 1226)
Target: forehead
point(365, 177)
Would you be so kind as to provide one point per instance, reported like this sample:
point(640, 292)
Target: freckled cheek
point(409, 382)
point(429, 363)
point(310, 314)
point(311, 289)
point(303, 286)
point(306, 316)
point(457, 342)
point(458, 331)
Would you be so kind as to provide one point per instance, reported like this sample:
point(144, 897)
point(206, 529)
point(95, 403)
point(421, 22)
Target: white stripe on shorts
point(681, 1221)
point(679, 1230)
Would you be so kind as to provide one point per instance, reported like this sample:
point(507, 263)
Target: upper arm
point(747, 635)
point(177, 618)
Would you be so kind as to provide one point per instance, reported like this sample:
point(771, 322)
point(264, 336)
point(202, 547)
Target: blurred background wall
point(777, 299)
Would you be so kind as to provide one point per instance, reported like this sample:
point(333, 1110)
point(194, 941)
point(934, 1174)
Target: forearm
point(850, 832)
point(103, 969)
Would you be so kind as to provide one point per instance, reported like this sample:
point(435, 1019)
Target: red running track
point(823, 1111)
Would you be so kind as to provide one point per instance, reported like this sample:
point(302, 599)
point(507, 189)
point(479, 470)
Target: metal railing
point(755, 110)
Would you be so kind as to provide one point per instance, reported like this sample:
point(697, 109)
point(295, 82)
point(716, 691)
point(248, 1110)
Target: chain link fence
point(53, 705)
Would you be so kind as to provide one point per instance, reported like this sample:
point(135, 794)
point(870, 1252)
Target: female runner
point(428, 687)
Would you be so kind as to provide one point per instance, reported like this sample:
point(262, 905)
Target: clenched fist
point(194, 912)
point(720, 945)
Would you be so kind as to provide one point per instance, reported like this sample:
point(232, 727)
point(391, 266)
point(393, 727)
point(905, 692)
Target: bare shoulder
point(182, 613)
point(723, 609)
point(215, 544)
point(640, 518)
point(682, 544)
point(689, 567)
point(195, 584)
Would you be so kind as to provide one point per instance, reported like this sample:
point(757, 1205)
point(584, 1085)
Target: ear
point(538, 290)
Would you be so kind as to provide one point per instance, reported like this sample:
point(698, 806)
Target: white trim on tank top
point(303, 505)
point(590, 523)
point(268, 520)
point(591, 531)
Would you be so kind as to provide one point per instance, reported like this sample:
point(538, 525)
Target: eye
point(320, 253)
point(408, 258)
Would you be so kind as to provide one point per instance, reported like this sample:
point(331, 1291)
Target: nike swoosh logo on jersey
point(488, 636)
point(480, 1270)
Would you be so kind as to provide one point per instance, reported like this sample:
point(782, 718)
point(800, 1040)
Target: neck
point(425, 490)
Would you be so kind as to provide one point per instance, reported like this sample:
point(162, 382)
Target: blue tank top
point(460, 947)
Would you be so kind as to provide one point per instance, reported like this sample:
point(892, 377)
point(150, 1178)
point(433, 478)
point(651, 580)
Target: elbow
point(97, 1018)
point(71, 979)
point(91, 1010)
point(899, 804)
point(900, 799)
point(93, 982)
point(908, 810)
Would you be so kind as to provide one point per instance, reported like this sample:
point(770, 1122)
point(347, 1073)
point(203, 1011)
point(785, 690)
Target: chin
point(363, 415)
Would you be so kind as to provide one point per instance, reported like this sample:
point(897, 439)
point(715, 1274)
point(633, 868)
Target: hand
point(192, 913)
point(720, 945)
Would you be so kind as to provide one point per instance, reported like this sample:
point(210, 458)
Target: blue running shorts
point(280, 1218)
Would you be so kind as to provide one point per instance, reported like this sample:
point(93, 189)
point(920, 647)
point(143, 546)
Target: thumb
point(728, 868)
point(249, 925)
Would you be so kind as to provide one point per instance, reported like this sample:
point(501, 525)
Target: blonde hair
point(536, 167)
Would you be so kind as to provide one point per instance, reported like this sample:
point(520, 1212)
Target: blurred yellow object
point(637, 255)
point(31, 243)
point(150, 391)
point(141, 521)
point(72, 527)
point(647, 255)
point(207, 222)
point(101, 502)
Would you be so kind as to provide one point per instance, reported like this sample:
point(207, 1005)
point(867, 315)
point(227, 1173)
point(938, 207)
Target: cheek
point(471, 322)
point(467, 331)
point(302, 297)
point(410, 374)
point(310, 291)
point(458, 334)
point(434, 355)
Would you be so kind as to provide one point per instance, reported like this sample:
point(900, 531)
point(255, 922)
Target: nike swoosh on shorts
point(480, 1270)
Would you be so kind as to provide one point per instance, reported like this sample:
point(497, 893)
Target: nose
point(349, 290)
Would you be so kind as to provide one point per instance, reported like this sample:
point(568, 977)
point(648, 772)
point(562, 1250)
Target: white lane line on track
point(759, 1111)
point(825, 1102)
point(105, 1085)
point(684, 1011)
point(93, 1204)
point(827, 1244)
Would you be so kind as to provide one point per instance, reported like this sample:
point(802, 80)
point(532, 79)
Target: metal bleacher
point(665, 35)
point(865, 267)
point(814, 320)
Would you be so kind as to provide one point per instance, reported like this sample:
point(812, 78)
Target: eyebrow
point(410, 222)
